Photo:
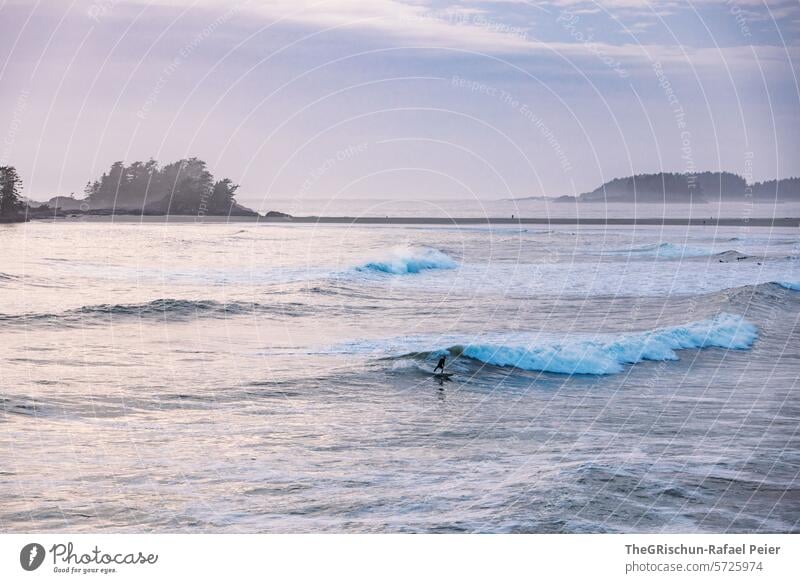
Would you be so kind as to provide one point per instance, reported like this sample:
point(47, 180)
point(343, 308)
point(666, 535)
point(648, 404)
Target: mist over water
point(520, 208)
point(270, 378)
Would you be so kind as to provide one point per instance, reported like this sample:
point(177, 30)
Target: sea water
point(276, 378)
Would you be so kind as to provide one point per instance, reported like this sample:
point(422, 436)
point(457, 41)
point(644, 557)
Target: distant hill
point(670, 187)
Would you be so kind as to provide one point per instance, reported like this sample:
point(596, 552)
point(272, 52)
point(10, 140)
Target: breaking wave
point(603, 357)
point(792, 285)
point(403, 260)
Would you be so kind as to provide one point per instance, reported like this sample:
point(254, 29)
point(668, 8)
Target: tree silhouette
point(10, 189)
point(182, 187)
point(222, 195)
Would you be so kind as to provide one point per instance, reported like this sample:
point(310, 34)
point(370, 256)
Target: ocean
point(277, 378)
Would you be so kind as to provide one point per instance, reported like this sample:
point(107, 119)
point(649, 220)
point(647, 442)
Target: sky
point(399, 99)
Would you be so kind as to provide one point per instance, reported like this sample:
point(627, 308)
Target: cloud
point(480, 27)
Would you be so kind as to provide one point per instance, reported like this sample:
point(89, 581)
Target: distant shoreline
point(722, 222)
point(694, 222)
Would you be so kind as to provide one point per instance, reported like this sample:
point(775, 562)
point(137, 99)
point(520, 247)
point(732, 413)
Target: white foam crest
point(405, 259)
point(792, 285)
point(603, 357)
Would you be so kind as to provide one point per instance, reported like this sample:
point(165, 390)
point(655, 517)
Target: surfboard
point(443, 375)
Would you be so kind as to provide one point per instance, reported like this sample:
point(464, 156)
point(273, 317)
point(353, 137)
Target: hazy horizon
point(376, 100)
point(256, 198)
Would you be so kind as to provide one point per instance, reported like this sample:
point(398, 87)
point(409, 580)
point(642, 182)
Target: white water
point(254, 378)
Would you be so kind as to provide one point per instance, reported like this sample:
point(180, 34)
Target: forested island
point(705, 187)
point(185, 187)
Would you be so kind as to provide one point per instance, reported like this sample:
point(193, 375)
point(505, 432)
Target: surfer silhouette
point(440, 365)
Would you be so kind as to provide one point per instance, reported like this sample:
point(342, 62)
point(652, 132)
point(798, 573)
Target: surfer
point(440, 365)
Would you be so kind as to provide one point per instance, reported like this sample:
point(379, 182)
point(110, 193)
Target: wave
point(791, 285)
point(673, 251)
point(663, 250)
point(603, 357)
point(403, 260)
point(761, 295)
point(165, 308)
point(733, 256)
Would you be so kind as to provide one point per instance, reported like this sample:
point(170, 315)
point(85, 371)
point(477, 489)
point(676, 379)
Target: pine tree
point(222, 195)
point(10, 188)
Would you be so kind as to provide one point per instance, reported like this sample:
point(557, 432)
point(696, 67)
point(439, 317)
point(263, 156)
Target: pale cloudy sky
point(400, 98)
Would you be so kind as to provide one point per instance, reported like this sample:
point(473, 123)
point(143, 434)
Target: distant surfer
point(440, 365)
